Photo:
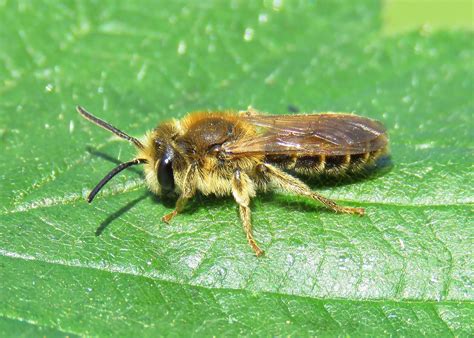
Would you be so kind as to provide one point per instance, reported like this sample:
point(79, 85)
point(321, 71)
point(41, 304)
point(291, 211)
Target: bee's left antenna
point(111, 174)
point(108, 126)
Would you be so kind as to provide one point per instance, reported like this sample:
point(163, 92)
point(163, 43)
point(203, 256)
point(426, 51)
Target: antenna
point(111, 174)
point(108, 126)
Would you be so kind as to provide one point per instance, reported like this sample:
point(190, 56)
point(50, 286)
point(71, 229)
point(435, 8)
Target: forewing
point(310, 134)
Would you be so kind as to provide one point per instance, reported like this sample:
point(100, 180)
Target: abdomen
point(313, 165)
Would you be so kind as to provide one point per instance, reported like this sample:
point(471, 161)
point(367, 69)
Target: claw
point(354, 211)
point(259, 252)
point(168, 217)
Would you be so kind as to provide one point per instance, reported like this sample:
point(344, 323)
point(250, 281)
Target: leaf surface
point(112, 267)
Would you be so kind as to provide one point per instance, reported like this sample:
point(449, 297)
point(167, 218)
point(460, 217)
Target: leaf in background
point(407, 268)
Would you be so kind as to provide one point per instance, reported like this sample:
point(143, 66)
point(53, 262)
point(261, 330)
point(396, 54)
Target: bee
point(241, 153)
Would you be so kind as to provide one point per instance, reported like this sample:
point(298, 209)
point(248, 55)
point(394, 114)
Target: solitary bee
point(238, 154)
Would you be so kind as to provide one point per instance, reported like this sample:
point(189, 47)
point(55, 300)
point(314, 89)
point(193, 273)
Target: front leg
point(288, 183)
point(189, 189)
point(242, 190)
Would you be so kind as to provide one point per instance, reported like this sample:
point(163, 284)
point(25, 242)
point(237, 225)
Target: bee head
point(165, 160)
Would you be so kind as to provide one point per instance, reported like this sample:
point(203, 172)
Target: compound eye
point(165, 171)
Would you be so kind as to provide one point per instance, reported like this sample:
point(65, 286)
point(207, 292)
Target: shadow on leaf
point(119, 213)
point(107, 157)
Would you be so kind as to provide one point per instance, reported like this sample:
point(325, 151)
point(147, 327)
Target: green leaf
point(112, 267)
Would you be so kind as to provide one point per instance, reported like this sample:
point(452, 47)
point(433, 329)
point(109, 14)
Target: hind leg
point(288, 183)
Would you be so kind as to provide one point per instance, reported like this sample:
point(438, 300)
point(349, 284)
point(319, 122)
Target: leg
point(288, 183)
point(180, 204)
point(189, 189)
point(242, 189)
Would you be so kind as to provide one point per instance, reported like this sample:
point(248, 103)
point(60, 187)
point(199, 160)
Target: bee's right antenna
point(108, 126)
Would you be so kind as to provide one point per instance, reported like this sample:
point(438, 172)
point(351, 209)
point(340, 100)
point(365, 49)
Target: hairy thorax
point(202, 142)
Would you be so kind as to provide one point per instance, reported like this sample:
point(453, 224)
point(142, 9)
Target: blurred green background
point(112, 268)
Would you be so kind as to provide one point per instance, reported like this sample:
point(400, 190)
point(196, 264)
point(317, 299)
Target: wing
point(309, 134)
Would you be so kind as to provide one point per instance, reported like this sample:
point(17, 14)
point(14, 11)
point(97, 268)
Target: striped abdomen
point(324, 164)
